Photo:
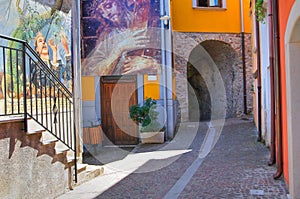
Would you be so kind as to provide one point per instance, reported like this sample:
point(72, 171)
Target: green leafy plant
point(146, 115)
point(260, 11)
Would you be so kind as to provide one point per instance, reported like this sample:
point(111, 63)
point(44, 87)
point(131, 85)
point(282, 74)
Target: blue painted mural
point(46, 26)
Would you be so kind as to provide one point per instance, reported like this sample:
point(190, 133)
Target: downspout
point(166, 88)
point(163, 64)
point(169, 76)
point(278, 136)
point(243, 56)
point(272, 83)
point(77, 81)
point(258, 79)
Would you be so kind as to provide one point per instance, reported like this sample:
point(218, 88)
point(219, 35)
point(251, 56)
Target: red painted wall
point(284, 7)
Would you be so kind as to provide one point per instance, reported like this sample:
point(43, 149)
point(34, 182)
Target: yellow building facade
point(187, 17)
point(212, 40)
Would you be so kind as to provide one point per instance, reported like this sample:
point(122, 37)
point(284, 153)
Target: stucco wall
point(289, 77)
point(284, 7)
point(28, 169)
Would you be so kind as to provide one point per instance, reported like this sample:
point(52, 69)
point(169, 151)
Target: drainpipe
point(166, 75)
point(77, 81)
point(163, 65)
point(278, 132)
point(258, 79)
point(271, 59)
point(243, 55)
point(169, 76)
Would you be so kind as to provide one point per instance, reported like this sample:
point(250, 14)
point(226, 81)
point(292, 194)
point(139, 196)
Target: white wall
point(265, 83)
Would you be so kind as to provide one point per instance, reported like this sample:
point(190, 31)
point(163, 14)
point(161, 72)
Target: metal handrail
point(35, 54)
point(32, 89)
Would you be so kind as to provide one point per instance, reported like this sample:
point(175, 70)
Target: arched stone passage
point(202, 102)
point(226, 59)
point(292, 43)
point(184, 43)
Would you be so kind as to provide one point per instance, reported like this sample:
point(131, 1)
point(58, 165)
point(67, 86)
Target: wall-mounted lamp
point(165, 20)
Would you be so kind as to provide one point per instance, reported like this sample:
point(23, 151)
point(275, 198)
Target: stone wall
point(229, 62)
point(29, 169)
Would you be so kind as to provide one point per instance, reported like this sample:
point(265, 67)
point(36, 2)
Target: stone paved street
point(235, 168)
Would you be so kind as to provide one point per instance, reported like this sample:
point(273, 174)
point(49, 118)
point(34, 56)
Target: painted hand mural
point(123, 32)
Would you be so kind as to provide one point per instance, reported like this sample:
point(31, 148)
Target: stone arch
point(185, 42)
point(292, 51)
point(202, 101)
point(226, 59)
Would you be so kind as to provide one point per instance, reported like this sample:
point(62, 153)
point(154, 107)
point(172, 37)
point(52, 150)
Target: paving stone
point(235, 167)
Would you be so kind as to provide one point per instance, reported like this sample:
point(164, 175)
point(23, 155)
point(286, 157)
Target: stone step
point(47, 137)
point(45, 143)
point(85, 172)
point(81, 167)
point(90, 172)
point(60, 151)
point(49, 141)
point(34, 132)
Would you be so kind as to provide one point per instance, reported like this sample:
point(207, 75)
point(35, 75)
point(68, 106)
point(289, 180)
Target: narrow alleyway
point(235, 168)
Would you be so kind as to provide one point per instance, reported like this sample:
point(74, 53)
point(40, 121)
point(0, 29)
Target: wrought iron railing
point(32, 89)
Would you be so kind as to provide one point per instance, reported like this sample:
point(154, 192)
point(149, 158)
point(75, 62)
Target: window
point(209, 3)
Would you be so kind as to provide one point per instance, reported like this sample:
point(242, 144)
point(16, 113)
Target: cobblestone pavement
point(235, 168)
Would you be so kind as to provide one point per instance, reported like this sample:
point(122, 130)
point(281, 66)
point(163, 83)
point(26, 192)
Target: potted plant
point(151, 131)
point(260, 11)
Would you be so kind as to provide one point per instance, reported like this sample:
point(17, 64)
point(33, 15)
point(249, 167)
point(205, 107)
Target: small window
point(208, 3)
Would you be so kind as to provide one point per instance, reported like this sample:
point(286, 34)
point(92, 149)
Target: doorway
point(201, 80)
point(118, 93)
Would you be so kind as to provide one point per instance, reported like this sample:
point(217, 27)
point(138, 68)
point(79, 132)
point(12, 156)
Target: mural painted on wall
point(46, 26)
point(120, 37)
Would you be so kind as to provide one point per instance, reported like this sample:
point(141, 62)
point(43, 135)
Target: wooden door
point(117, 95)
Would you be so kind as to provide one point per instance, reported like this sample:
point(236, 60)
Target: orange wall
point(185, 18)
point(88, 88)
point(174, 86)
point(151, 88)
point(284, 10)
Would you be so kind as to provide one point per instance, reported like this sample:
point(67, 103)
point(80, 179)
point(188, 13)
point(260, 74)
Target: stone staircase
point(62, 154)
point(38, 149)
